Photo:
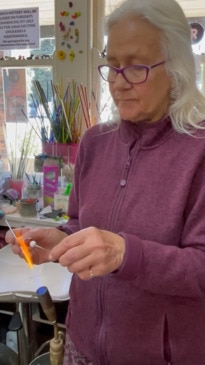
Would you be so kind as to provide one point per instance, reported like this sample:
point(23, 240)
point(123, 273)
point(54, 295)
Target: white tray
point(19, 283)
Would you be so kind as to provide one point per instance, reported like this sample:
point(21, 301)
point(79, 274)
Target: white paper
point(16, 276)
point(19, 29)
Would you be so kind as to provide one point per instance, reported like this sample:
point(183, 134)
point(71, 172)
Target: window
point(19, 112)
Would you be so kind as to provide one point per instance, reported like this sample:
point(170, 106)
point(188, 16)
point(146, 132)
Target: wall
point(73, 41)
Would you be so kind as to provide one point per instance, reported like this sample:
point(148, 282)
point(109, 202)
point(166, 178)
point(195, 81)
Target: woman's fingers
point(102, 251)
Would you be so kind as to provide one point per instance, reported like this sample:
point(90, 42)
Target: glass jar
point(31, 191)
point(28, 207)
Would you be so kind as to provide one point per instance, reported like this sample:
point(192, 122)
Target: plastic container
point(50, 183)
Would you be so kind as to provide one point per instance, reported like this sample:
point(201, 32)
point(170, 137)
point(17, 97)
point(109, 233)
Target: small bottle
point(1, 168)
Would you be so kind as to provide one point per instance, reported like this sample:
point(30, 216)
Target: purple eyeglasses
point(133, 74)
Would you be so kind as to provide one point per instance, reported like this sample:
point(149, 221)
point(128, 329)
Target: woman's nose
point(121, 82)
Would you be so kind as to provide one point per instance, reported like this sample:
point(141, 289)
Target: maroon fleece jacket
point(145, 182)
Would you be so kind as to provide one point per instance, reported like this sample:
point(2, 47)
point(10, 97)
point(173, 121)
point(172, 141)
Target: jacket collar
point(148, 134)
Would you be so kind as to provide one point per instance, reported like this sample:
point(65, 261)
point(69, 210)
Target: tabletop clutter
point(45, 193)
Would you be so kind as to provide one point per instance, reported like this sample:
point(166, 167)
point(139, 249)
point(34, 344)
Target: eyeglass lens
point(132, 74)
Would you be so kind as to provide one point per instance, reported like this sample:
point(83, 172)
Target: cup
point(28, 207)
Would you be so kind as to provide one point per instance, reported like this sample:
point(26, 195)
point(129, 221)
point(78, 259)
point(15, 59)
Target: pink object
point(17, 185)
point(50, 183)
point(67, 151)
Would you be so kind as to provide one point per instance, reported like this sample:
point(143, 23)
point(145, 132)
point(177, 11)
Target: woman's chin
point(128, 114)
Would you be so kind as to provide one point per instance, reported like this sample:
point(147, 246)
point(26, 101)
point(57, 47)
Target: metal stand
point(23, 325)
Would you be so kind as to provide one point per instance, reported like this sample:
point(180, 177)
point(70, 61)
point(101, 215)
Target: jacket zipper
point(101, 333)
point(116, 209)
point(122, 183)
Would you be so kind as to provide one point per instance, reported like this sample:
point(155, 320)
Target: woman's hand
point(46, 237)
point(90, 252)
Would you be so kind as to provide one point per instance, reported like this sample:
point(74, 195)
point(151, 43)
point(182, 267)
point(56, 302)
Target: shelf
point(16, 220)
point(47, 62)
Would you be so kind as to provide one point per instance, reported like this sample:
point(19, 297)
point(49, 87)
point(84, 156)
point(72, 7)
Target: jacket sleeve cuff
point(133, 257)
point(65, 229)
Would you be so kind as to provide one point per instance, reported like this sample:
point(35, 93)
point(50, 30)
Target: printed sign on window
point(19, 29)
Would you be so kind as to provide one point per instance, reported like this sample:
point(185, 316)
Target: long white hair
point(187, 108)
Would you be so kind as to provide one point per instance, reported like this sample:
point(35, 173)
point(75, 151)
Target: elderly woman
point(137, 207)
